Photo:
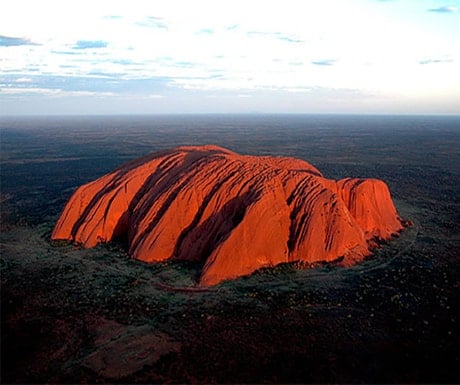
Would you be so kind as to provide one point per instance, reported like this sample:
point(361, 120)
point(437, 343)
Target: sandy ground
point(94, 315)
point(70, 315)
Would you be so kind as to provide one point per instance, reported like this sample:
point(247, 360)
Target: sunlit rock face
point(233, 213)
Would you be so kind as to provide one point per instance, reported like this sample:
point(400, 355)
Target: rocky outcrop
point(232, 213)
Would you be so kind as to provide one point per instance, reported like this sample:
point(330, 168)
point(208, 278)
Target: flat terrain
point(72, 315)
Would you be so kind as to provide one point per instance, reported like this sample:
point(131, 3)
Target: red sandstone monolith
point(233, 213)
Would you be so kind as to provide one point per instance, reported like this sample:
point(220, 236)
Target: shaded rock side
point(232, 213)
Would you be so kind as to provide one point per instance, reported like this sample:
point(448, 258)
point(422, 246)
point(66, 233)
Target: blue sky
point(201, 56)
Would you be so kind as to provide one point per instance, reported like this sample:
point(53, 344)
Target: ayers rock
point(232, 213)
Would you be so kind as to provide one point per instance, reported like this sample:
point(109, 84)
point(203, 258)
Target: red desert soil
point(232, 213)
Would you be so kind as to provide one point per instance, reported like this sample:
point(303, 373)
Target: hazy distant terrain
point(391, 319)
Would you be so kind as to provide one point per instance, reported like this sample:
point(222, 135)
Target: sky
point(220, 56)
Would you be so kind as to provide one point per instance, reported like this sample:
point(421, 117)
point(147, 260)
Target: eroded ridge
point(232, 213)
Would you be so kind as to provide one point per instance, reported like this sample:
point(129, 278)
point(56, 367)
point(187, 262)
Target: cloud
point(297, 90)
point(290, 39)
point(113, 17)
point(23, 80)
point(65, 52)
point(435, 61)
point(324, 62)
point(184, 64)
point(125, 62)
point(275, 35)
point(338, 94)
point(444, 9)
point(88, 44)
point(153, 22)
point(232, 27)
point(205, 31)
point(9, 41)
point(97, 83)
point(54, 92)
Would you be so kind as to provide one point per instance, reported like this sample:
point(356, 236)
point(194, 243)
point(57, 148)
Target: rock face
point(233, 213)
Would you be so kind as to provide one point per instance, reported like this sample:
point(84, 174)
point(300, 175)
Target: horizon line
point(153, 114)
